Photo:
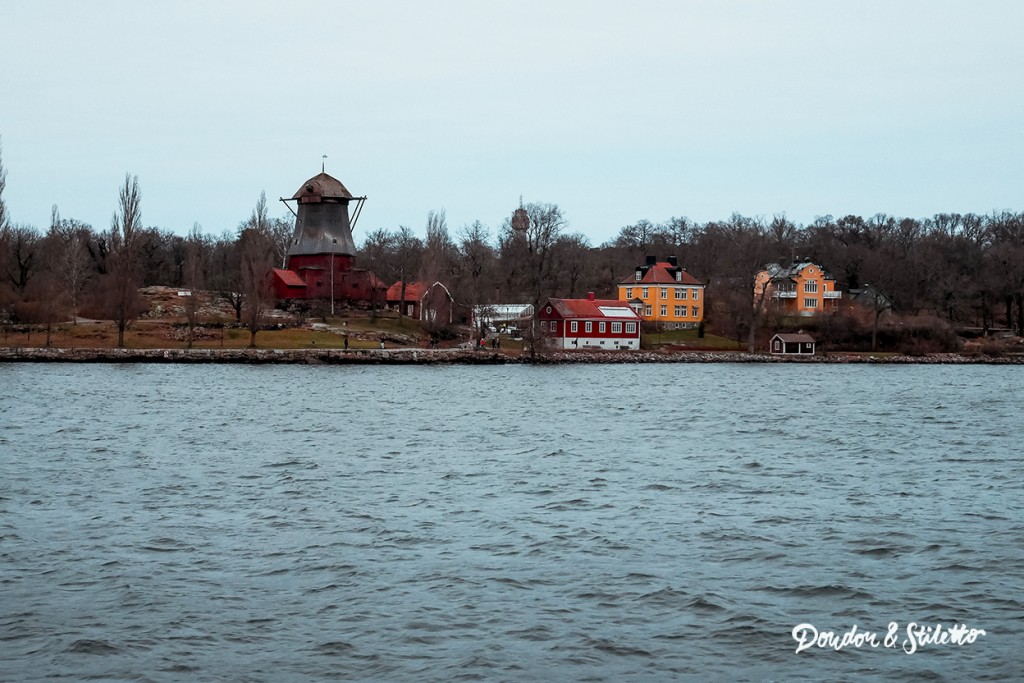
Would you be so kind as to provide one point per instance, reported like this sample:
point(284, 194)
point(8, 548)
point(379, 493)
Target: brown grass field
point(156, 334)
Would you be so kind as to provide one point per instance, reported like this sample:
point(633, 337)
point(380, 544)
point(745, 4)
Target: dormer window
point(679, 276)
point(639, 275)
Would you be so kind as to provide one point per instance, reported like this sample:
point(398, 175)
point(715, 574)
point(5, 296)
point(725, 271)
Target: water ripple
point(166, 523)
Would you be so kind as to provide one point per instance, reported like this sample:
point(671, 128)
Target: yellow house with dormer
point(663, 292)
point(802, 288)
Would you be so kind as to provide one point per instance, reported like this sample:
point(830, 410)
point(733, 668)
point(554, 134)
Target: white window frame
point(810, 287)
point(695, 293)
point(629, 293)
point(589, 327)
point(644, 293)
point(647, 311)
point(601, 327)
point(664, 292)
point(616, 328)
point(554, 326)
point(664, 311)
point(630, 328)
point(695, 311)
point(810, 303)
point(680, 312)
point(574, 326)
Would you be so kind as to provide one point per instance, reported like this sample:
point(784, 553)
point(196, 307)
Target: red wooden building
point(589, 323)
point(410, 306)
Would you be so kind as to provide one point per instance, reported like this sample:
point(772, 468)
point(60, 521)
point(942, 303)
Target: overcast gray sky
point(615, 111)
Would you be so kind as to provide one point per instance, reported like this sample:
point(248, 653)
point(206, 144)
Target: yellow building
point(802, 288)
point(664, 293)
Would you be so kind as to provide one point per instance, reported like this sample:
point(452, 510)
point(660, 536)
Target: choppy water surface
point(649, 522)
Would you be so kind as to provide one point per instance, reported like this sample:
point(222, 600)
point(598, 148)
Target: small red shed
point(799, 344)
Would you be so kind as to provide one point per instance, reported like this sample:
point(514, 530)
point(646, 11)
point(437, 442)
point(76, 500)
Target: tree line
point(967, 269)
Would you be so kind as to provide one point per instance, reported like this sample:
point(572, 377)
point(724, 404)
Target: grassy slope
point(687, 339)
point(157, 334)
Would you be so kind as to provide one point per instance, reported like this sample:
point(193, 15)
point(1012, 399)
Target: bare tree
point(1006, 259)
point(3, 184)
point(377, 256)
point(476, 264)
point(258, 219)
point(281, 231)
point(528, 241)
point(7, 297)
point(257, 262)
point(195, 260)
point(638, 237)
point(782, 233)
point(122, 300)
point(440, 255)
point(573, 263)
point(69, 240)
point(408, 255)
point(679, 231)
point(226, 273)
point(529, 237)
point(278, 230)
point(741, 249)
point(45, 300)
point(21, 255)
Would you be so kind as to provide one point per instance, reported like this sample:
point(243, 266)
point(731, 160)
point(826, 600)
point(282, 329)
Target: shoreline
point(458, 357)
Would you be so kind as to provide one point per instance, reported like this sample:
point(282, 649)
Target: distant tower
point(322, 250)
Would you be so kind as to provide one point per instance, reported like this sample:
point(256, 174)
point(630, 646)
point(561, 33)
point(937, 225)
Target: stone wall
point(450, 356)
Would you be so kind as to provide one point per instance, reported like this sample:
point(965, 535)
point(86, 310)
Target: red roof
point(605, 309)
point(662, 273)
point(413, 291)
point(289, 277)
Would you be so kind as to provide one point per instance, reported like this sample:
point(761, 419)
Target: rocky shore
point(456, 356)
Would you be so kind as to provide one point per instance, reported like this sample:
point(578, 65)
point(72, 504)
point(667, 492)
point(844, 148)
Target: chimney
point(672, 261)
point(590, 296)
point(652, 260)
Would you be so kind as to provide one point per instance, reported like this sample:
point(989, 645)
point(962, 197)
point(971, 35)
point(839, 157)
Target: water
point(648, 522)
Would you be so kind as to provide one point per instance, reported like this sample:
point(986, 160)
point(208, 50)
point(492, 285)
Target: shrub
point(993, 349)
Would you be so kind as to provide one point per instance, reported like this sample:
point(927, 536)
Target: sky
point(614, 111)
